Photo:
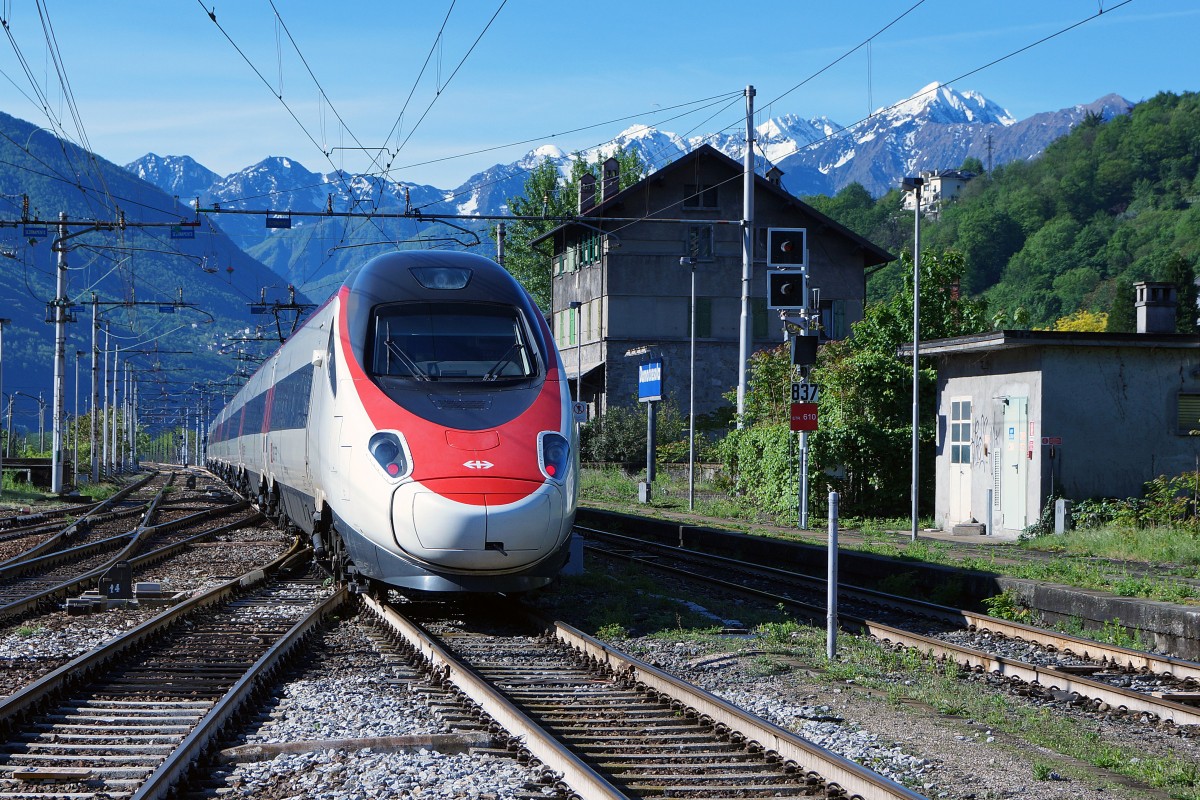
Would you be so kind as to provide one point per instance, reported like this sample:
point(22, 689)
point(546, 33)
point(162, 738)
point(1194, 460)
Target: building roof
point(993, 341)
point(874, 253)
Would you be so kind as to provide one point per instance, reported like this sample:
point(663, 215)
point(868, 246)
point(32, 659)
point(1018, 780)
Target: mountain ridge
point(935, 128)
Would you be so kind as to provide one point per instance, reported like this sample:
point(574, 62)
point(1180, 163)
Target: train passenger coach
point(418, 426)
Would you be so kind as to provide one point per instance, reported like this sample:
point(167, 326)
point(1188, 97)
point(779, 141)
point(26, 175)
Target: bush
point(765, 465)
point(619, 436)
point(1166, 502)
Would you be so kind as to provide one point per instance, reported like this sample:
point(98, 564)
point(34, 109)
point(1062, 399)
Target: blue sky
point(153, 76)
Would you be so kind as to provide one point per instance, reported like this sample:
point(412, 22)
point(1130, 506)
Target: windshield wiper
point(504, 361)
point(399, 353)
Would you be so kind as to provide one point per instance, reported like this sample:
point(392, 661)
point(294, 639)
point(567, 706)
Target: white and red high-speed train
point(418, 426)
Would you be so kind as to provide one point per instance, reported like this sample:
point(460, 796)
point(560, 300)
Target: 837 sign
point(805, 392)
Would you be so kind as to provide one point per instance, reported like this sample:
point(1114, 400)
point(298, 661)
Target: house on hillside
point(940, 187)
point(1027, 415)
point(618, 285)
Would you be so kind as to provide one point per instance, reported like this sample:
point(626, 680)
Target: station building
point(622, 267)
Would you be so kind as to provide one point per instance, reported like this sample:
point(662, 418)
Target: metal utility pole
point(747, 258)
point(691, 264)
point(915, 184)
point(60, 360)
point(500, 234)
point(95, 452)
point(41, 423)
point(104, 411)
point(75, 458)
point(4, 322)
point(112, 406)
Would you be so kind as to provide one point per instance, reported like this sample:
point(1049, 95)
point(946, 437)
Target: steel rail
point(585, 781)
point(837, 771)
point(162, 782)
point(97, 514)
point(24, 605)
point(36, 693)
point(1049, 677)
point(1128, 658)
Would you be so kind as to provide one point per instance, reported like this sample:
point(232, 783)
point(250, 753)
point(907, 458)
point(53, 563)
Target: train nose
point(440, 522)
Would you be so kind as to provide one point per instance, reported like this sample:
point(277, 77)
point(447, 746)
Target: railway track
point(27, 584)
point(607, 725)
point(1055, 666)
point(46, 533)
point(131, 718)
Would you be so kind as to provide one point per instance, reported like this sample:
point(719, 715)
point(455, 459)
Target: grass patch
point(17, 491)
point(99, 491)
point(884, 537)
point(1149, 545)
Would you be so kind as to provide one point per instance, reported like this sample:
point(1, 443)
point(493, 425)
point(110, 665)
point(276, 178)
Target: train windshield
point(452, 342)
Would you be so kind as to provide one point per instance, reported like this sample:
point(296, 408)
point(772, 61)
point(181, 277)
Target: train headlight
point(391, 454)
point(554, 455)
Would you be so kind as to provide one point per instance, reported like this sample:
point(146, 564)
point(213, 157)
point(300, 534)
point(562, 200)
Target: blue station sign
point(650, 381)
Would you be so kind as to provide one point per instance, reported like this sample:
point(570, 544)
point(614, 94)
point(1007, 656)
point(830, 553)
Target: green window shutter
point(1188, 418)
point(758, 313)
point(703, 317)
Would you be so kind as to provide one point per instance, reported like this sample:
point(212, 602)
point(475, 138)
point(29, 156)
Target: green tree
point(972, 164)
point(1122, 318)
point(547, 194)
point(1182, 273)
point(865, 406)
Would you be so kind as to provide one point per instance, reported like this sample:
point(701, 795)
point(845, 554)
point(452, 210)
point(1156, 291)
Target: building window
point(960, 432)
point(1187, 419)
point(699, 195)
point(703, 318)
point(833, 320)
point(758, 317)
point(699, 241)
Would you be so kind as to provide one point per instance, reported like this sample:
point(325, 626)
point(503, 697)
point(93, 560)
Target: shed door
point(1014, 465)
point(960, 459)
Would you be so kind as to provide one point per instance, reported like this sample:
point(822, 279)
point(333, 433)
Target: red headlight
point(554, 455)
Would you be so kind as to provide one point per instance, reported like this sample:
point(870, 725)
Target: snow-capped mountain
point(177, 175)
point(935, 128)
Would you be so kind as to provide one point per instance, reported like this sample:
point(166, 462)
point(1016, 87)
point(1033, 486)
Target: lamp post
point(41, 422)
point(577, 307)
point(690, 263)
point(914, 185)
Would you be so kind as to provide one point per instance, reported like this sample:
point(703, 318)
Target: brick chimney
point(587, 192)
point(612, 179)
point(1155, 305)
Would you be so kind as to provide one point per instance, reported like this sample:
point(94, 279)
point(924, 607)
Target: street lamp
point(577, 307)
point(914, 185)
point(690, 263)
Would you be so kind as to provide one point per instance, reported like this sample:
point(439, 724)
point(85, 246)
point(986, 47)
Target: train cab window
point(452, 342)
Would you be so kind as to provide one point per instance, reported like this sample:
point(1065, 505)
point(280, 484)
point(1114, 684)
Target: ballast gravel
point(350, 691)
point(937, 755)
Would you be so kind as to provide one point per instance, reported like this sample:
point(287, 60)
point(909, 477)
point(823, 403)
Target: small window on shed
point(960, 431)
point(1187, 419)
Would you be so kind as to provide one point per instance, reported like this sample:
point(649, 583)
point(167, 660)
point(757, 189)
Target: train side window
point(331, 362)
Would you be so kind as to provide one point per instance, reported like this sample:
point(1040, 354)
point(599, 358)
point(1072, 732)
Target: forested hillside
point(1111, 203)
